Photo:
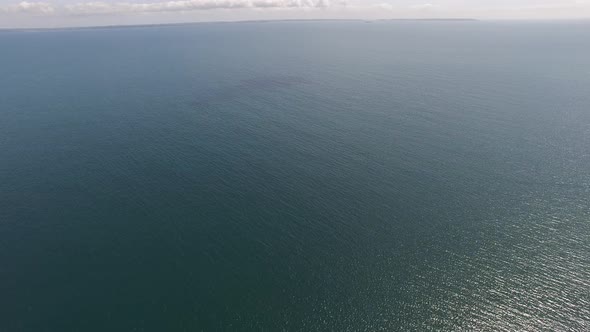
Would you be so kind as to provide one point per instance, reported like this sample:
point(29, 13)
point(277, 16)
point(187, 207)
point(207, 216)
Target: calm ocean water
point(313, 176)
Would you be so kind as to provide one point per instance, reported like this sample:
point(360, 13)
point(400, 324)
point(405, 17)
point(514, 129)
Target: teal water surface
point(298, 176)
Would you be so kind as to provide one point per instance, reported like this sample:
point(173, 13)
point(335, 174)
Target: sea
point(296, 176)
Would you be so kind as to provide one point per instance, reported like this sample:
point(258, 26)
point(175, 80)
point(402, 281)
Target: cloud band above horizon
point(99, 7)
point(56, 13)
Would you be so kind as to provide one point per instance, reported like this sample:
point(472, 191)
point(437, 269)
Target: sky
point(71, 13)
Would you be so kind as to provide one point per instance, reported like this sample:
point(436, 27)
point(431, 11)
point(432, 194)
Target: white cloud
point(60, 13)
point(424, 6)
point(28, 8)
point(101, 7)
point(382, 6)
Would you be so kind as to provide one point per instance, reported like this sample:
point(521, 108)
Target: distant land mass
point(242, 22)
point(427, 19)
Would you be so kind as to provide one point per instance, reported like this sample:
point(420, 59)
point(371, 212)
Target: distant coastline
point(119, 26)
point(156, 25)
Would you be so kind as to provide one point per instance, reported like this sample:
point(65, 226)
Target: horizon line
point(433, 19)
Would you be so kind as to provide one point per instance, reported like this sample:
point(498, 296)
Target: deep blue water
point(313, 176)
